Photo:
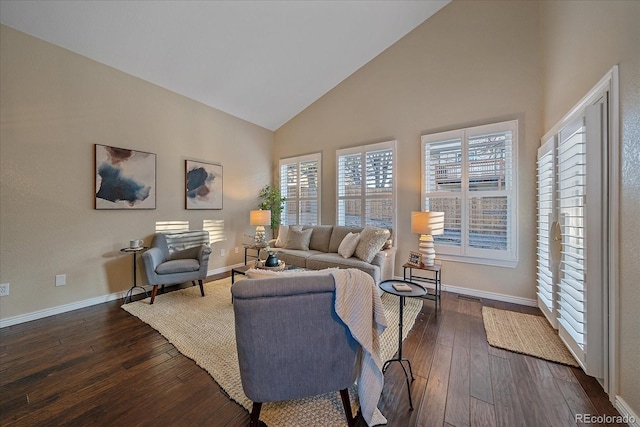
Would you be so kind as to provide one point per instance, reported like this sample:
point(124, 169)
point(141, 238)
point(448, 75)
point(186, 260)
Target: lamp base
point(427, 250)
point(260, 237)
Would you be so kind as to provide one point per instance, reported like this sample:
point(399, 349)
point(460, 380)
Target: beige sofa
point(323, 252)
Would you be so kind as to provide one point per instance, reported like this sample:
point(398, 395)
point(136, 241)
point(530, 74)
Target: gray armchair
point(291, 343)
point(177, 257)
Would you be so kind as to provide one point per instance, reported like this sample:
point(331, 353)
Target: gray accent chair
point(291, 343)
point(177, 257)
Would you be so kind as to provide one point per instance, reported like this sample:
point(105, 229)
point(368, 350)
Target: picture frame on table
point(415, 259)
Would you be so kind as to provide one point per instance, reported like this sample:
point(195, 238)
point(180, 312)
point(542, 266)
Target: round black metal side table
point(134, 252)
point(413, 290)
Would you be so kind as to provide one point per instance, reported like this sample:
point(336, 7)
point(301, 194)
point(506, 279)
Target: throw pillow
point(257, 273)
point(372, 239)
point(299, 239)
point(283, 234)
point(348, 245)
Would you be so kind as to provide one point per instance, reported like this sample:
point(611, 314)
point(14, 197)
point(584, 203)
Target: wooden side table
point(436, 279)
point(252, 248)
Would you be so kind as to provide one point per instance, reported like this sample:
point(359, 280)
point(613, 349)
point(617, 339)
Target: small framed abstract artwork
point(203, 185)
point(125, 178)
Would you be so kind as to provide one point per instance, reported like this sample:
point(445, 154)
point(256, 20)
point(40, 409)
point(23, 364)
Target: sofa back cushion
point(283, 235)
point(320, 237)
point(298, 239)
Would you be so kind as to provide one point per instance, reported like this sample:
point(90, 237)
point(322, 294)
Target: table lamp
point(259, 219)
point(427, 224)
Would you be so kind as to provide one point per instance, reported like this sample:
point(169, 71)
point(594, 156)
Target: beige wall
point(581, 42)
point(55, 105)
point(471, 63)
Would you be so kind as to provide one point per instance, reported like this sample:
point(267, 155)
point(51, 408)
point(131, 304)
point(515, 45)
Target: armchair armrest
point(152, 258)
point(203, 254)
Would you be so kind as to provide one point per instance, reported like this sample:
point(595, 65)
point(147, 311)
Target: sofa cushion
point(320, 237)
point(348, 245)
point(338, 234)
point(295, 257)
point(372, 239)
point(321, 261)
point(299, 239)
point(178, 266)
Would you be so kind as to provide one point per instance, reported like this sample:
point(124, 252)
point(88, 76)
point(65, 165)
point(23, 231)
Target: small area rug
point(203, 329)
point(526, 334)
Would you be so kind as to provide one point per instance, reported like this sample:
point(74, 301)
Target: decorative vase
point(272, 260)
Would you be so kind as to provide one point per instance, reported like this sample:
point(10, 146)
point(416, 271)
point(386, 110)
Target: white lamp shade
point(427, 223)
point(260, 217)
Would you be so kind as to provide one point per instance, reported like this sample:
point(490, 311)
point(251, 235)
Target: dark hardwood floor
point(102, 366)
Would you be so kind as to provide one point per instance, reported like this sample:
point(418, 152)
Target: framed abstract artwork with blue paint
point(125, 178)
point(203, 185)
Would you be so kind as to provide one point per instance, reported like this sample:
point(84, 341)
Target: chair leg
point(201, 287)
point(255, 414)
point(154, 292)
point(346, 403)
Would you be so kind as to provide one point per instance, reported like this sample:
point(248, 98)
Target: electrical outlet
point(61, 279)
point(4, 289)
point(223, 252)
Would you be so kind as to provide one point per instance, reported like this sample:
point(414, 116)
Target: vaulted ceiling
point(262, 61)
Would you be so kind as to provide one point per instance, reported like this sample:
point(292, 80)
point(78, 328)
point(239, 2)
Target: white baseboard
point(490, 295)
point(35, 315)
point(483, 294)
point(628, 415)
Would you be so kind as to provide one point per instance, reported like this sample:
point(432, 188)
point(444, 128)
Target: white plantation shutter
point(379, 188)
point(366, 185)
point(546, 275)
point(309, 192)
point(350, 189)
point(442, 172)
point(300, 186)
point(469, 175)
point(489, 174)
point(571, 196)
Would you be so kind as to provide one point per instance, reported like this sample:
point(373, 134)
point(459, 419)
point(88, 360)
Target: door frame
point(609, 83)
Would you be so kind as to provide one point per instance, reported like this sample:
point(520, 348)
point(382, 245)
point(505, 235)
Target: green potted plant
point(272, 200)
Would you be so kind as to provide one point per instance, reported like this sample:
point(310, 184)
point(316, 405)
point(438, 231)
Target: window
point(300, 186)
point(366, 193)
point(469, 175)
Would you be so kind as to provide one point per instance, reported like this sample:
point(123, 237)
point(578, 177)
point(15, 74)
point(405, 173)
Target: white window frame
point(363, 150)
point(465, 253)
point(297, 160)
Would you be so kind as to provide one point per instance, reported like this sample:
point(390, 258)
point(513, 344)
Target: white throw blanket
point(360, 308)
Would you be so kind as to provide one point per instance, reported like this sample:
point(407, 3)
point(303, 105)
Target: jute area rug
point(526, 334)
point(203, 329)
